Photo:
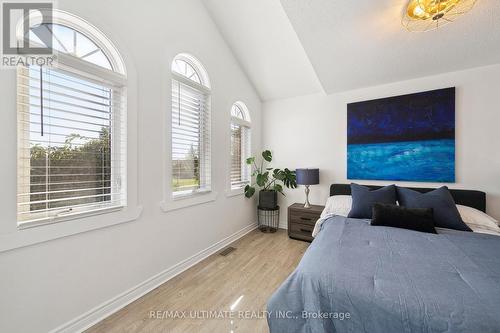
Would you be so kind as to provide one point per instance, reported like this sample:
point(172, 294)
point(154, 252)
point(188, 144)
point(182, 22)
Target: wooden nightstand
point(301, 221)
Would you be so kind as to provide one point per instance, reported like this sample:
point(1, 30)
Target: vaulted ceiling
point(297, 47)
point(263, 40)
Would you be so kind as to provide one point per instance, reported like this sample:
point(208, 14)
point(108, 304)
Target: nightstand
point(301, 221)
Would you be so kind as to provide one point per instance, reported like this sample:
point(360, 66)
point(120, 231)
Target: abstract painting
point(405, 138)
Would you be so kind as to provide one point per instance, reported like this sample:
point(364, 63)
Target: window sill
point(235, 192)
point(25, 236)
point(183, 195)
point(188, 201)
point(68, 217)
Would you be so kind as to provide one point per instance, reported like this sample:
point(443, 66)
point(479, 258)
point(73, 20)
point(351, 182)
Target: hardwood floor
point(250, 274)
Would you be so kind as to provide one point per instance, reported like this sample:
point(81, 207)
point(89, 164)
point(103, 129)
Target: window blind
point(240, 151)
point(191, 148)
point(71, 144)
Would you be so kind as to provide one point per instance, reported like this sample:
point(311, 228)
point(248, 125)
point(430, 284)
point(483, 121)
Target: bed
point(358, 278)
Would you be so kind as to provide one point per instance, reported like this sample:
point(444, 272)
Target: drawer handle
point(305, 230)
point(305, 218)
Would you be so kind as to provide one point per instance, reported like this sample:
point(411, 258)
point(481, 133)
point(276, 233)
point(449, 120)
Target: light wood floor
point(251, 273)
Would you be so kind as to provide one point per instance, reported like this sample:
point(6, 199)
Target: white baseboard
point(111, 306)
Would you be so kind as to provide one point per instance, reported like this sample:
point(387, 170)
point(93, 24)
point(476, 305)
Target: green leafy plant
point(267, 178)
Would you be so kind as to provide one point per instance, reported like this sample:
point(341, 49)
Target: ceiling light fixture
point(426, 15)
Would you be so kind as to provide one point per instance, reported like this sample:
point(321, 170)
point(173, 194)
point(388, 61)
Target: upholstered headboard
point(471, 198)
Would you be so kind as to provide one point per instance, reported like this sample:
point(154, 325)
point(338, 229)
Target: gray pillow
point(446, 214)
point(363, 199)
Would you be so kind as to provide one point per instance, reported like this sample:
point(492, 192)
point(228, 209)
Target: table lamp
point(307, 177)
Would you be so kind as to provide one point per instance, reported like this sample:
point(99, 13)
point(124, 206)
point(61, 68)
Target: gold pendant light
point(426, 15)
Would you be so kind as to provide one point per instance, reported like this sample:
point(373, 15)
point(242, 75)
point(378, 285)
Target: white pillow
point(477, 220)
point(338, 204)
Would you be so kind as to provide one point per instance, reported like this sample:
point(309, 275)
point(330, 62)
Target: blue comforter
point(360, 278)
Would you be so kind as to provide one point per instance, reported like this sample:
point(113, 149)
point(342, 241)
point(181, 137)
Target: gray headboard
point(471, 198)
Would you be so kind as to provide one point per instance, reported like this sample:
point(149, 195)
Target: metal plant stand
point(268, 219)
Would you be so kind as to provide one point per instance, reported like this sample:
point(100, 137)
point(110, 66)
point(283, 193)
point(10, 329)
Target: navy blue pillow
point(363, 199)
point(446, 214)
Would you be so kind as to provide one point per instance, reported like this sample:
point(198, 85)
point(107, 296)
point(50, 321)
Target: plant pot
point(268, 199)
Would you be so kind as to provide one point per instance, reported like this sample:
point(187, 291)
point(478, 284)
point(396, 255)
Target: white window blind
point(191, 148)
point(71, 144)
point(240, 146)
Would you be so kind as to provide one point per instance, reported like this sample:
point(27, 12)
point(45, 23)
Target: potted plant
point(269, 180)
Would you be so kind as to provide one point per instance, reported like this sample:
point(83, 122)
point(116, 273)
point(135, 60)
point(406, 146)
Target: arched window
point(70, 41)
point(240, 145)
point(71, 125)
point(191, 169)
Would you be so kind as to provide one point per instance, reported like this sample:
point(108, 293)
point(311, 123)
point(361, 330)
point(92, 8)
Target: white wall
point(48, 284)
point(310, 131)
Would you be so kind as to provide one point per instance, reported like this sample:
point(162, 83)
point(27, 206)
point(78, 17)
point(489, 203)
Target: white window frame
point(246, 152)
point(95, 35)
point(176, 200)
point(118, 153)
point(118, 80)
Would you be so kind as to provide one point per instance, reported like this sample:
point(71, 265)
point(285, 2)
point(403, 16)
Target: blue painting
point(405, 138)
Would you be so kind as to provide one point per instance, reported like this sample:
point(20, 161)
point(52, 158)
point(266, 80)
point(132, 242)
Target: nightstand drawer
point(301, 221)
point(303, 217)
point(302, 231)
